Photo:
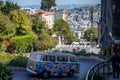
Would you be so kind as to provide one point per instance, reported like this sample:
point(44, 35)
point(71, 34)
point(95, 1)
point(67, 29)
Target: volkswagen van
point(53, 63)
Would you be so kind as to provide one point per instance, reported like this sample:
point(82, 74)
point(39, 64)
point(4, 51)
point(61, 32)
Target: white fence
point(70, 48)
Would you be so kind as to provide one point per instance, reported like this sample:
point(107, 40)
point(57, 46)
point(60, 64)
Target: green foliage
point(2, 47)
point(23, 42)
point(22, 22)
point(9, 6)
point(62, 28)
point(38, 25)
point(5, 73)
point(6, 58)
point(1, 4)
point(19, 61)
point(88, 32)
point(45, 41)
point(47, 4)
point(7, 28)
point(13, 60)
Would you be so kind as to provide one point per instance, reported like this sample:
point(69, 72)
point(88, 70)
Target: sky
point(58, 2)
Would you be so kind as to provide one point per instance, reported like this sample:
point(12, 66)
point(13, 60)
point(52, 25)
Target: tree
point(1, 4)
point(38, 25)
point(7, 31)
point(8, 6)
point(7, 28)
point(47, 4)
point(61, 28)
point(22, 20)
point(45, 41)
point(91, 33)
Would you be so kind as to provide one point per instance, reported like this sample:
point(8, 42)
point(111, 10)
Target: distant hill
point(72, 6)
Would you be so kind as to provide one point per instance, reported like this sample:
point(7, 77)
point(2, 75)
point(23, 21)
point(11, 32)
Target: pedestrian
point(115, 59)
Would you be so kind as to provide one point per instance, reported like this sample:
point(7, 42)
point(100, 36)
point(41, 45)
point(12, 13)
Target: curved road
point(84, 67)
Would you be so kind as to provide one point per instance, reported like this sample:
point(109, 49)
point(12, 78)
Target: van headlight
point(31, 67)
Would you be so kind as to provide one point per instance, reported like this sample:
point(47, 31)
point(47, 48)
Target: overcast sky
point(58, 2)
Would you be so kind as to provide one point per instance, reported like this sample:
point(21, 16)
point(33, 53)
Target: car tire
point(71, 73)
point(45, 75)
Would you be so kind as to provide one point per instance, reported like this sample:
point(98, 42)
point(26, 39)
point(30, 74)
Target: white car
point(75, 43)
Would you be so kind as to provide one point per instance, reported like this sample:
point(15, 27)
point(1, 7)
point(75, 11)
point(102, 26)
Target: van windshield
point(32, 56)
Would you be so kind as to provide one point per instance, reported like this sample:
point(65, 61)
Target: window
point(49, 58)
point(38, 57)
point(32, 56)
point(62, 58)
point(52, 58)
point(73, 59)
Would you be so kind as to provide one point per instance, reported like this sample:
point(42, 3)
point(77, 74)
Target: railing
point(99, 71)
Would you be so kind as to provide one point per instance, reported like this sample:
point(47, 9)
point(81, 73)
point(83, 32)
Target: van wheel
point(45, 75)
point(71, 73)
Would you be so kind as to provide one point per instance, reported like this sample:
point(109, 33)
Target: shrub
point(5, 73)
point(13, 60)
point(6, 58)
point(23, 42)
point(19, 61)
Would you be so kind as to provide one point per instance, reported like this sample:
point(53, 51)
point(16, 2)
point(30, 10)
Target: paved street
point(84, 67)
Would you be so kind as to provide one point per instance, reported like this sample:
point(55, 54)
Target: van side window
point(46, 58)
point(73, 59)
point(62, 58)
point(52, 58)
point(49, 58)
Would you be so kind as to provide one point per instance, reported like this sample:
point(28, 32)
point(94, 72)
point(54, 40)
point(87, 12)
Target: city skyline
point(58, 2)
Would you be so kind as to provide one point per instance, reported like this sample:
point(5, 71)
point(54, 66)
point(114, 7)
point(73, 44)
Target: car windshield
point(33, 56)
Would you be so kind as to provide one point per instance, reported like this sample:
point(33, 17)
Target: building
point(109, 28)
point(48, 17)
point(29, 10)
point(61, 14)
point(79, 32)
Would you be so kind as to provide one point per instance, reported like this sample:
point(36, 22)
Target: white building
point(30, 10)
point(48, 17)
point(79, 32)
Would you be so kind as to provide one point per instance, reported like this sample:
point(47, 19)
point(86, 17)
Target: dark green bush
point(5, 73)
point(19, 61)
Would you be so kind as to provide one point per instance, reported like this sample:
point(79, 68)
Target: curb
point(16, 68)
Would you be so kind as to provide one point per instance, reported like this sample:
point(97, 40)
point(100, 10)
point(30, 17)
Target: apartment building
point(109, 28)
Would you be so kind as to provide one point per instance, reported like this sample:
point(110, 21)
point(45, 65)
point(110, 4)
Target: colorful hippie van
point(53, 63)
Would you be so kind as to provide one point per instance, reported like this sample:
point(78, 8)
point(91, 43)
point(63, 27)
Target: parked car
point(75, 43)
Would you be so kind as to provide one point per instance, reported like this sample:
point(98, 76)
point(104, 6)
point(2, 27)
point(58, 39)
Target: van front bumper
point(31, 71)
